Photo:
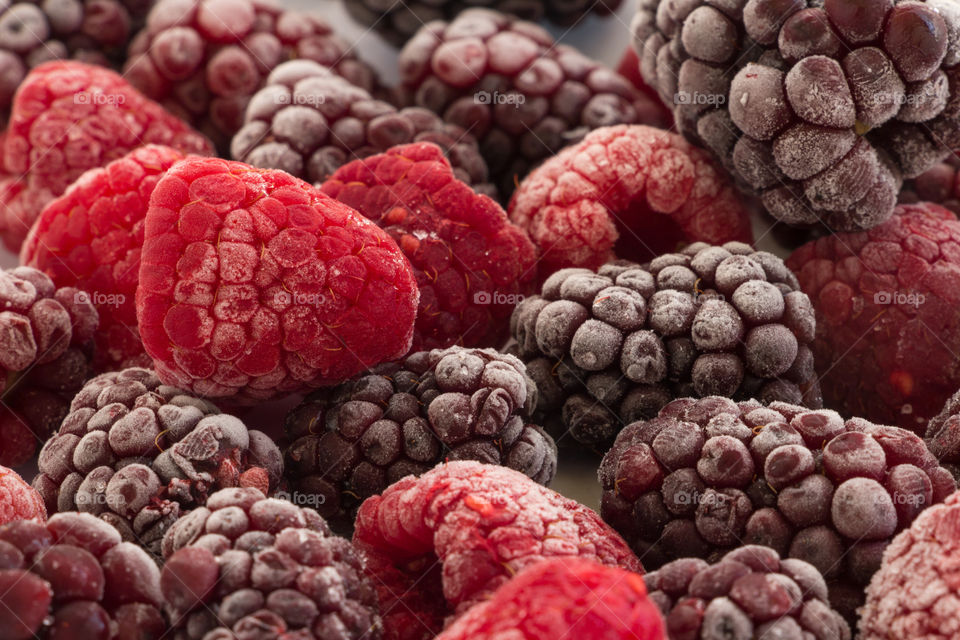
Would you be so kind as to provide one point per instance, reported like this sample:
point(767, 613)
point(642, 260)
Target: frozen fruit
point(522, 95)
point(472, 265)
point(610, 347)
point(138, 454)
point(18, 500)
point(438, 544)
point(943, 434)
point(350, 442)
point(818, 107)
point(709, 475)
point(309, 121)
point(253, 284)
point(74, 579)
point(203, 59)
point(564, 597)
point(748, 593)
point(90, 238)
point(887, 315)
point(915, 593)
point(46, 346)
point(629, 191)
point(939, 184)
point(69, 117)
point(267, 569)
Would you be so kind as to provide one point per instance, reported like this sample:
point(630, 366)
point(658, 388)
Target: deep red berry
point(18, 501)
point(940, 184)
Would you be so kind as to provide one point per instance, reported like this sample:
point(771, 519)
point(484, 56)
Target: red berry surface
point(18, 500)
point(254, 284)
point(939, 184)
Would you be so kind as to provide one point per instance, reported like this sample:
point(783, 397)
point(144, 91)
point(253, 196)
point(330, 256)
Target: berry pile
point(18, 501)
point(351, 441)
point(309, 122)
point(819, 107)
point(709, 475)
point(138, 454)
point(612, 347)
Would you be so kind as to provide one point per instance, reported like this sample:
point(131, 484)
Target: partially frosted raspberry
point(18, 501)
point(254, 284)
point(940, 185)
point(441, 543)
point(472, 265)
point(632, 192)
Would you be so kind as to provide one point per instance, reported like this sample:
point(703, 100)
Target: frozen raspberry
point(69, 117)
point(887, 315)
point(138, 454)
point(350, 442)
point(508, 83)
point(90, 238)
point(748, 593)
point(438, 544)
point(709, 475)
point(564, 597)
point(939, 184)
point(74, 579)
point(632, 191)
point(203, 59)
point(818, 107)
point(254, 284)
point(18, 500)
point(629, 68)
point(612, 347)
point(472, 264)
point(46, 345)
point(309, 121)
point(915, 594)
point(259, 568)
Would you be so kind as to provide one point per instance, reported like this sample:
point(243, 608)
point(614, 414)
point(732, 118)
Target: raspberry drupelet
point(18, 500)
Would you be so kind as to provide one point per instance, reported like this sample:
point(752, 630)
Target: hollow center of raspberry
point(645, 233)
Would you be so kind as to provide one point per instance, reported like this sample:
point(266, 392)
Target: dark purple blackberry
point(819, 107)
point(612, 347)
point(74, 579)
point(265, 569)
point(352, 441)
point(138, 454)
point(46, 349)
point(709, 475)
point(308, 121)
point(508, 83)
point(749, 593)
point(939, 184)
point(943, 435)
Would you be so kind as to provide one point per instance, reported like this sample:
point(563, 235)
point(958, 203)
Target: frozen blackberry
point(943, 435)
point(351, 441)
point(709, 475)
point(46, 349)
point(939, 184)
point(610, 347)
point(820, 107)
point(138, 454)
point(309, 121)
point(508, 83)
point(260, 568)
point(74, 579)
point(203, 59)
point(749, 593)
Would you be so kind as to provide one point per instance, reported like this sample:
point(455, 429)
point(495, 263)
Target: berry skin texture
point(915, 592)
point(940, 184)
point(706, 476)
point(253, 284)
point(629, 191)
point(90, 238)
point(18, 500)
point(449, 539)
point(564, 597)
point(749, 593)
point(351, 441)
point(72, 578)
point(472, 265)
point(887, 322)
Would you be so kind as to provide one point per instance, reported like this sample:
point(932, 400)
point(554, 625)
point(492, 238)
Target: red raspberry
point(69, 117)
point(254, 284)
point(630, 190)
point(629, 68)
point(90, 238)
point(441, 543)
point(18, 500)
point(472, 265)
point(888, 315)
point(939, 184)
point(564, 598)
